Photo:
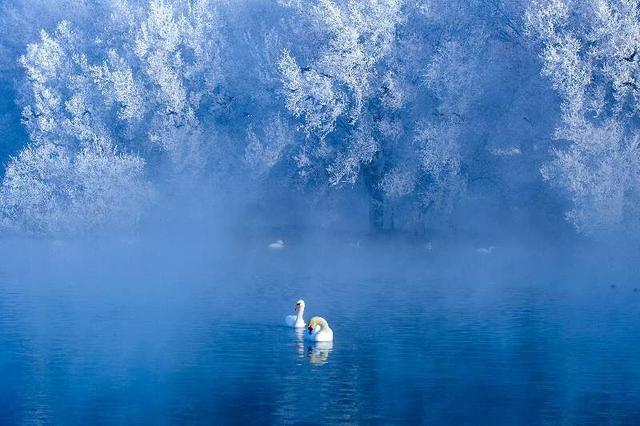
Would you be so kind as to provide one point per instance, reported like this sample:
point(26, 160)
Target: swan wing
point(290, 320)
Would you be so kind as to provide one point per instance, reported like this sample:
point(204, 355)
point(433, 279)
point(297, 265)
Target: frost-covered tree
point(108, 104)
point(52, 189)
point(424, 108)
point(71, 176)
point(590, 53)
point(355, 98)
point(393, 95)
point(342, 92)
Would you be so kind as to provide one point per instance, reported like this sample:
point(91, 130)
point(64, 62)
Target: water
point(145, 335)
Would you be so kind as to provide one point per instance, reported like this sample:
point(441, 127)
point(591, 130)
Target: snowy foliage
point(353, 96)
point(310, 95)
point(259, 155)
point(397, 183)
point(49, 188)
point(418, 107)
point(87, 113)
point(590, 54)
point(342, 79)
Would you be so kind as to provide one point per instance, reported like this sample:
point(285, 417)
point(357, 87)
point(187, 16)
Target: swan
point(278, 245)
point(485, 250)
point(296, 320)
point(319, 330)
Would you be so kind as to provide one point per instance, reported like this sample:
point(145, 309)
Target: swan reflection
point(318, 352)
point(300, 342)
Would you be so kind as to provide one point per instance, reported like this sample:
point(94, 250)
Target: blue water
point(145, 336)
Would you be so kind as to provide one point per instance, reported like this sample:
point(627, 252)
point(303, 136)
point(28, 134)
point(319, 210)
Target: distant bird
point(355, 245)
point(319, 330)
point(296, 320)
point(278, 245)
point(485, 250)
point(635, 290)
point(613, 286)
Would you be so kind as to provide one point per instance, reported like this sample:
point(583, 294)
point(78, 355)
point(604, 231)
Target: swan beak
point(310, 329)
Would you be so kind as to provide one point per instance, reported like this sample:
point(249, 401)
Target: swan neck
point(322, 323)
point(300, 313)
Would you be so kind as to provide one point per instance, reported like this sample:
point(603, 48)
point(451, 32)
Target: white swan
point(296, 320)
point(319, 330)
point(278, 245)
point(485, 250)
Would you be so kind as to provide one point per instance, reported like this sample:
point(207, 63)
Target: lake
point(136, 332)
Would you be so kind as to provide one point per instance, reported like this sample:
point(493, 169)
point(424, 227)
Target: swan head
point(317, 323)
point(299, 305)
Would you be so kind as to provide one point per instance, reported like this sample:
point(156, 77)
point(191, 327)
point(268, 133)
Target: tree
point(589, 54)
point(99, 118)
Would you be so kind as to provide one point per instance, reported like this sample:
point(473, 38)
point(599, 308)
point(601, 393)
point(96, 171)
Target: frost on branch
point(361, 149)
point(590, 52)
point(311, 96)
point(600, 171)
point(261, 154)
point(90, 105)
point(397, 183)
point(49, 189)
point(115, 80)
point(345, 87)
point(439, 161)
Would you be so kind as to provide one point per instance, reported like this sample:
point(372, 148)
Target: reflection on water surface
point(482, 339)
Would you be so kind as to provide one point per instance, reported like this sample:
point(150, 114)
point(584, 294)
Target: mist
point(452, 186)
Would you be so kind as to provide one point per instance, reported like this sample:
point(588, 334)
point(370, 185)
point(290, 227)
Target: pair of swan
point(319, 330)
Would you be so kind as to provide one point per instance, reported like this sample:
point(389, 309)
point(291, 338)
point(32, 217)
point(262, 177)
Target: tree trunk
point(376, 213)
point(372, 175)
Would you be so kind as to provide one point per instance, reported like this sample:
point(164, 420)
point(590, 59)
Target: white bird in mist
point(355, 244)
point(485, 250)
point(277, 245)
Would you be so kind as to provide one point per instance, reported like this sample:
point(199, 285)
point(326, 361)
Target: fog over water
point(159, 331)
point(454, 185)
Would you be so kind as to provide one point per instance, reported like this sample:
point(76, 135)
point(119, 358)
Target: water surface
point(141, 334)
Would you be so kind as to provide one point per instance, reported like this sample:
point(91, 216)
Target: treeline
point(427, 111)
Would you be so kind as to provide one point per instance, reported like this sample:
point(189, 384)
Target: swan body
point(278, 245)
point(485, 250)
point(296, 320)
point(319, 330)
